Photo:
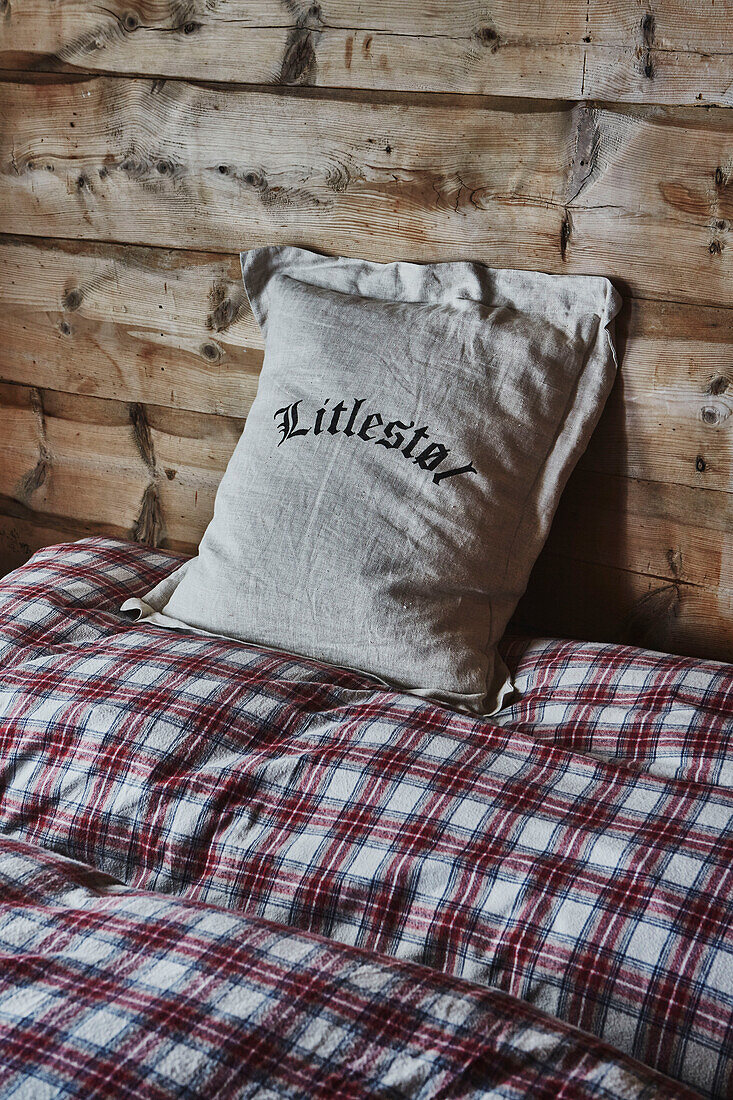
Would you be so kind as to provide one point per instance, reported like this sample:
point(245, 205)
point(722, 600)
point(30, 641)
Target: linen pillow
point(412, 432)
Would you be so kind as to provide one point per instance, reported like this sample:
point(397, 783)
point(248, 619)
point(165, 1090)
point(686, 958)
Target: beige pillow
point(412, 432)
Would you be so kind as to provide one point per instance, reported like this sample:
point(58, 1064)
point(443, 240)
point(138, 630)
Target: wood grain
point(79, 459)
point(668, 52)
point(641, 194)
point(668, 531)
point(135, 324)
point(130, 356)
point(174, 328)
point(577, 599)
point(23, 531)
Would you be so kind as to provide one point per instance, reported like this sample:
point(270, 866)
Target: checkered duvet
point(576, 859)
point(111, 992)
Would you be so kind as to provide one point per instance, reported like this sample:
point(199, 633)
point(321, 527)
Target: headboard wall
point(143, 144)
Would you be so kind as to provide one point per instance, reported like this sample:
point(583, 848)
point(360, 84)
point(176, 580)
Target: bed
point(229, 871)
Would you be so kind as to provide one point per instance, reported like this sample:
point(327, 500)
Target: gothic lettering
point(289, 422)
point(317, 427)
point(393, 434)
point(374, 419)
point(393, 438)
point(468, 469)
point(349, 429)
point(432, 456)
point(420, 433)
point(337, 411)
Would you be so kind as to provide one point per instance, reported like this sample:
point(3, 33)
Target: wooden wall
point(144, 143)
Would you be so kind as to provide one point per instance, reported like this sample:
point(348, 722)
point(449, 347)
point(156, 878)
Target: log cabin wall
point(145, 142)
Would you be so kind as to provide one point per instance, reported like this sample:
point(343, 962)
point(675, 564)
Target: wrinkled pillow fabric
point(412, 432)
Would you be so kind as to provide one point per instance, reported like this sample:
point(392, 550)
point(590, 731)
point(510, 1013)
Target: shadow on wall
point(588, 582)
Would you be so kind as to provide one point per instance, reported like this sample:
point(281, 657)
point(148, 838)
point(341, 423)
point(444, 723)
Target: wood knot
point(190, 28)
point(488, 36)
point(225, 302)
point(565, 231)
point(223, 169)
point(170, 474)
point(72, 299)
point(647, 37)
point(718, 385)
point(299, 60)
point(674, 560)
point(256, 180)
point(715, 248)
point(130, 21)
point(164, 167)
point(700, 464)
point(212, 352)
point(337, 179)
point(710, 414)
point(65, 328)
point(142, 436)
point(719, 177)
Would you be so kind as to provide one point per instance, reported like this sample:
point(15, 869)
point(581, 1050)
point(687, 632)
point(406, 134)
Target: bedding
point(398, 472)
point(573, 854)
point(111, 992)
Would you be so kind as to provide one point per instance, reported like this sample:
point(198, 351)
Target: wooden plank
point(669, 416)
point(149, 472)
point(134, 324)
point(641, 194)
point(23, 531)
point(627, 560)
point(174, 328)
point(669, 531)
point(623, 51)
point(585, 600)
point(565, 597)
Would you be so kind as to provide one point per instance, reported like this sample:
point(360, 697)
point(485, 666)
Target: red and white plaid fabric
point(110, 992)
point(670, 716)
point(514, 855)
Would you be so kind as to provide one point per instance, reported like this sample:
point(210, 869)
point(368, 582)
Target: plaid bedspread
point(577, 856)
point(112, 992)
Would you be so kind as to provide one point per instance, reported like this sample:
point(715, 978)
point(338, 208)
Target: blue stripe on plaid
point(507, 855)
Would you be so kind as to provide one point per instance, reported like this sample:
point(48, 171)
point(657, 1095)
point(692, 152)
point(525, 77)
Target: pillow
point(413, 429)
